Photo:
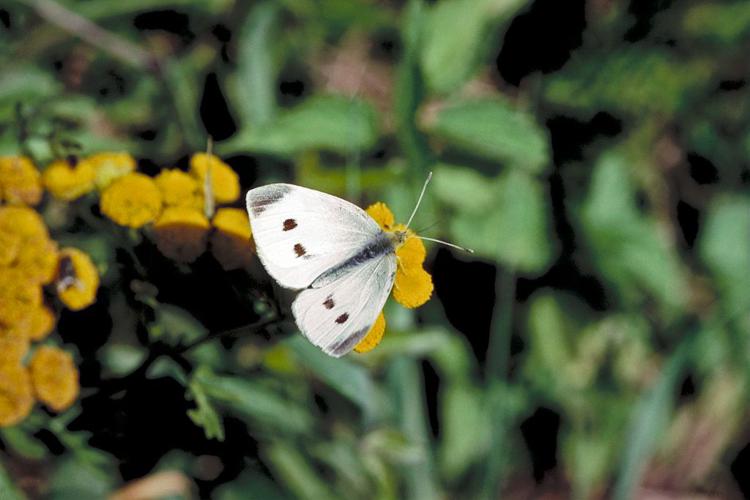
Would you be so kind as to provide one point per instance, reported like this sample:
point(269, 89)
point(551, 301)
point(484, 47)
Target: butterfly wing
point(300, 233)
point(338, 314)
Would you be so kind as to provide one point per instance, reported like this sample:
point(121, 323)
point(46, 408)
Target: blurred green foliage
point(668, 302)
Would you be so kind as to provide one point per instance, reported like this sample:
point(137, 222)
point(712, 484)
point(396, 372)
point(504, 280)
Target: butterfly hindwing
point(338, 314)
point(301, 233)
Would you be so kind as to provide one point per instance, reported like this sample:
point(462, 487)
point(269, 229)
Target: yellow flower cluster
point(72, 178)
point(29, 261)
point(20, 181)
point(231, 241)
point(413, 286)
point(173, 202)
point(51, 378)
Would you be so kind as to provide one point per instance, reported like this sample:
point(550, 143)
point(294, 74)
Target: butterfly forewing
point(337, 315)
point(301, 233)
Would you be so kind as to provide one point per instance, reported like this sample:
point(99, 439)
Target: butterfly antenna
point(428, 227)
point(421, 195)
point(446, 244)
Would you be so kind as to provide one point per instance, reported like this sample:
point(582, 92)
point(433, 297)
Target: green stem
point(498, 351)
point(498, 356)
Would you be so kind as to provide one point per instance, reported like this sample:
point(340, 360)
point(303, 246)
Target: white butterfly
point(330, 249)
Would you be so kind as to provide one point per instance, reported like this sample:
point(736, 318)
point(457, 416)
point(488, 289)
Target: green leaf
point(463, 188)
point(405, 380)
point(25, 85)
point(330, 123)
point(456, 36)
point(629, 248)
point(295, 471)
point(204, 415)
point(464, 428)
point(493, 129)
point(23, 443)
point(181, 78)
point(515, 231)
point(350, 380)
point(75, 480)
point(726, 23)
point(725, 248)
point(8, 490)
point(255, 80)
point(635, 81)
point(175, 325)
point(250, 485)
point(393, 446)
point(650, 418)
point(121, 359)
point(255, 401)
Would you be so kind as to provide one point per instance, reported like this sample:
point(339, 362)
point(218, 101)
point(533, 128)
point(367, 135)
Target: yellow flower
point(54, 377)
point(181, 233)
point(38, 260)
point(413, 286)
point(23, 221)
point(29, 250)
point(12, 350)
point(77, 279)
point(225, 183)
point(110, 166)
point(23, 321)
point(10, 245)
point(373, 337)
point(15, 286)
point(132, 200)
point(16, 394)
point(20, 182)
point(231, 243)
point(41, 323)
point(179, 189)
point(69, 181)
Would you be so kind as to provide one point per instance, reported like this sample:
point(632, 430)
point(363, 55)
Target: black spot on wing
point(348, 343)
point(342, 319)
point(299, 249)
point(329, 302)
point(289, 224)
point(259, 205)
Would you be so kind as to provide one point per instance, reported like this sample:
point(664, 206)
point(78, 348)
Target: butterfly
point(331, 250)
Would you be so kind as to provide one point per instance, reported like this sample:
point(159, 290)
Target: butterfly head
point(398, 237)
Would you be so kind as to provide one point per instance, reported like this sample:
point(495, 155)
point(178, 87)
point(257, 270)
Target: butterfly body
point(341, 260)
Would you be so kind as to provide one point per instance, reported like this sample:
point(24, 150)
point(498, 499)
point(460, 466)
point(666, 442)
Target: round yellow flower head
point(231, 243)
point(373, 337)
point(77, 279)
point(225, 182)
point(54, 377)
point(10, 245)
point(41, 323)
point(29, 248)
point(38, 260)
point(23, 221)
point(12, 350)
point(181, 233)
point(132, 200)
point(109, 167)
point(16, 394)
point(15, 284)
point(20, 181)
point(69, 180)
point(179, 189)
point(413, 286)
point(24, 321)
